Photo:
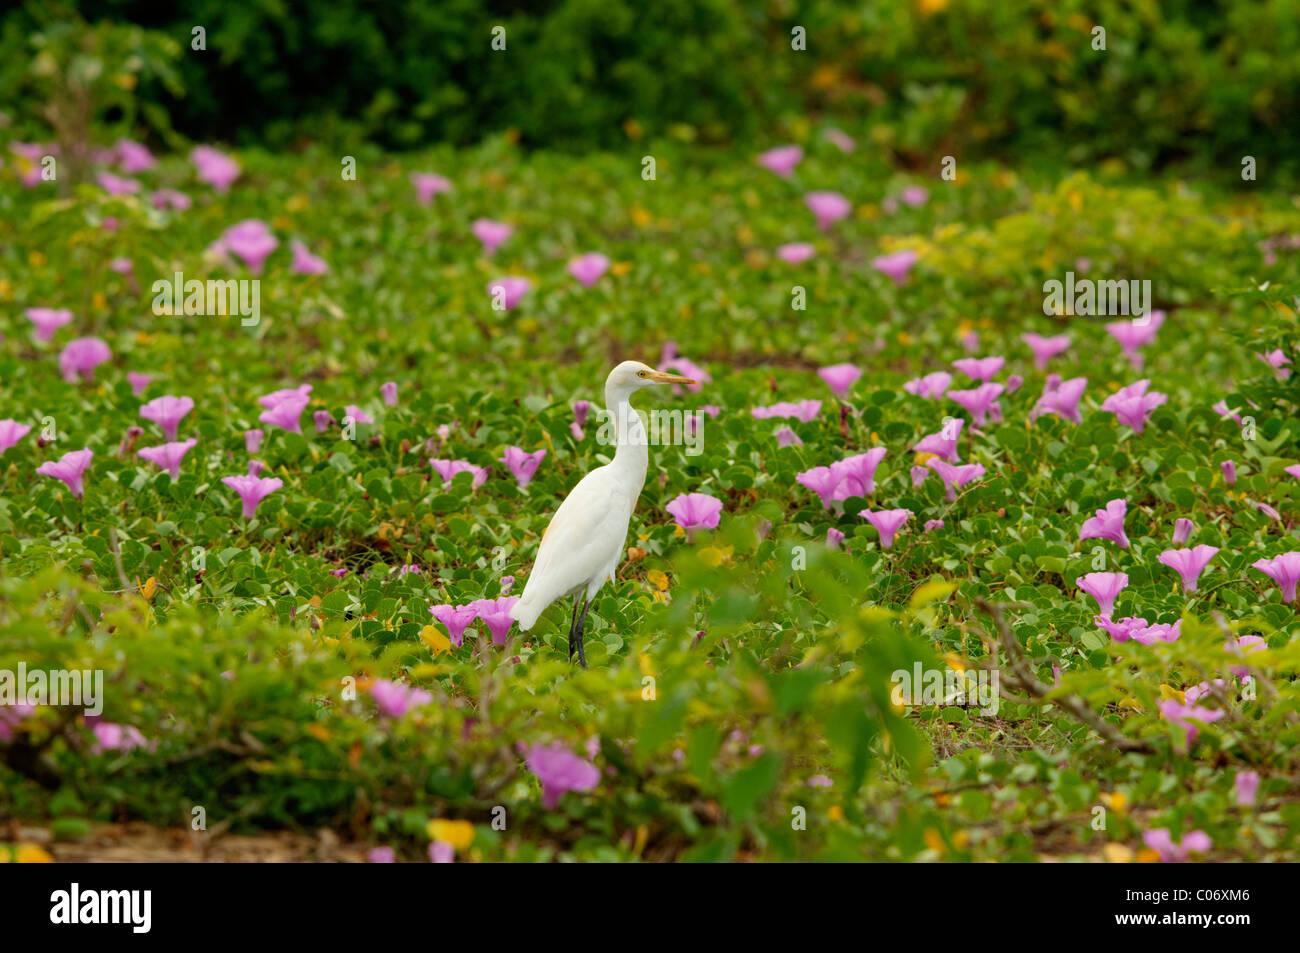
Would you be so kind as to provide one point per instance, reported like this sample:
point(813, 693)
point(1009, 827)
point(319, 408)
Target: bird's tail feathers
point(525, 612)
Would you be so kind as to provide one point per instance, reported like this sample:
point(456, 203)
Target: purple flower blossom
point(1245, 787)
point(11, 431)
point(1283, 570)
point(1107, 524)
point(828, 207)
point(323, 420)
point(496, 613)
point(80, 358)
point(449, 468)
point(1162, 843)
point(781, 160)
point(1133, 403)
point(1190, 718)
point(980, 368)
point(785, 437)
point(944, 443)
point(456, 619)
point(932, 386)
point(1046, 348)
point(897, 265)
point(252, 490)
point(48, 320)
point(72, 466)
point(114, 737)
point(795, 253)
point(588, 268)
point(694, 511)
point(834, 537)
point(388, 391)
point(523, 465)
point(286, 413)
point(955, 477)
point(491, 233)
point(1137, 333)
point(560, 771)
point(427, 185)
point(886, 522)
point(394, 699)
point(251, 241)
point(840, 377)
point(1061, 398)
point(215, 168)
point(931, 525)
point(304, 262)
point(167, 412)
point(805, 410)
point(1188, 563)
point(253, 440)
point(1104, 587)
point(1229, 470)
point(170, 198)
point(168, 456)
point(978, 402)
point(509, 291)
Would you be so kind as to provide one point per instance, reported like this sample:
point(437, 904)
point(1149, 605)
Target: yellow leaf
point(657, 578)
point(32, 854)
point(1167, 692)
point(318, 731)
point(932, 591)
point(435, 639)
point(1117, 854)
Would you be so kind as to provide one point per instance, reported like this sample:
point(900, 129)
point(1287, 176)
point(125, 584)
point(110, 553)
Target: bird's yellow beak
point(661, 378)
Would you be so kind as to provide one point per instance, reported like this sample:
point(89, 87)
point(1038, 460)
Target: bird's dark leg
point(573, 625)
point(582, 652)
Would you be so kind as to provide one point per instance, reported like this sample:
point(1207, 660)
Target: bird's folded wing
point(586, 533)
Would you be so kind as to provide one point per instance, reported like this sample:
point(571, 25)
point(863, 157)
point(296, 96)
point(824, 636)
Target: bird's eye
point(640, 373)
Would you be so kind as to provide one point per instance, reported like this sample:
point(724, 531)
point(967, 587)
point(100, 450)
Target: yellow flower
point(31, 854)
point(435, 639)
point(459, 834)
point(1117, 854)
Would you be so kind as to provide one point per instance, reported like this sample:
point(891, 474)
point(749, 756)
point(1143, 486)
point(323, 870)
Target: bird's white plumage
point(582, 546)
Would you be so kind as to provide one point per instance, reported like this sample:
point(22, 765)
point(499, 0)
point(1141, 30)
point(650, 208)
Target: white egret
point(581, 547)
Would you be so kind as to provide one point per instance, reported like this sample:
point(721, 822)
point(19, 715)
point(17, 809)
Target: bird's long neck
point(631, 453)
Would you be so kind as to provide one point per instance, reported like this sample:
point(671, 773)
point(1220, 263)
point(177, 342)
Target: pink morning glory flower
point(285, 393)
point(134, 157)
point(72, 466)
point(394, 699)
point(1269, 511)
point(523, 465)
point(304, 262)
point(886, 522)
point(1013, 383)
point(286, 413)
point(856, 475)
point(323, 420)
point(1190, 718)
point(1244, 645)
point(507, 583)
point(1061, 398)
point(828, 207)
point(1182, 530)
point(932, 386)
point(897, 265)
point(1204, 690)
point(122, 266)
point(1046, 348)
point(447, 469)
point(1293, 471)
point(785, 437)
point(840, 377)
point(980, 368)
point(589, 267)
point(919, 474)
point(1283, 570)
point(781, 160)
point(560, 771)
point(1105, 587)
point(167, 412)
point(1229, 470)
point(1133, 403)
point(80, 358)
point(427, 185)
point(491, 233)
point(914, 195)
point(1276, 359)
point(113, 737)
point(509, 290)
point(1188, 563)
point(1245, 786)
point(253, 440)
point(694, 511)
point(456, 618)
point(805, 410)
point(47, 321)
point(1124, 629)
point(11, 431)
point(581, 408)
point(955, 477)
point(116, 184)
point(978, 402)
point(388, 391)
point(822, 481)
point(252, 490)
point(168, 455)
point(944, 443)
point(255, 468)
point(1162, 843)
point(251, 241)
point(214, 167)
point(381, 855)
point(931, 525)
point(795, 253)
point(834, 537)
point(1157, 632)
point(170, 198)
point(496, 613)
point(1137, 333)
point(442, 852)
point(1107, 524)
point(358, 415)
